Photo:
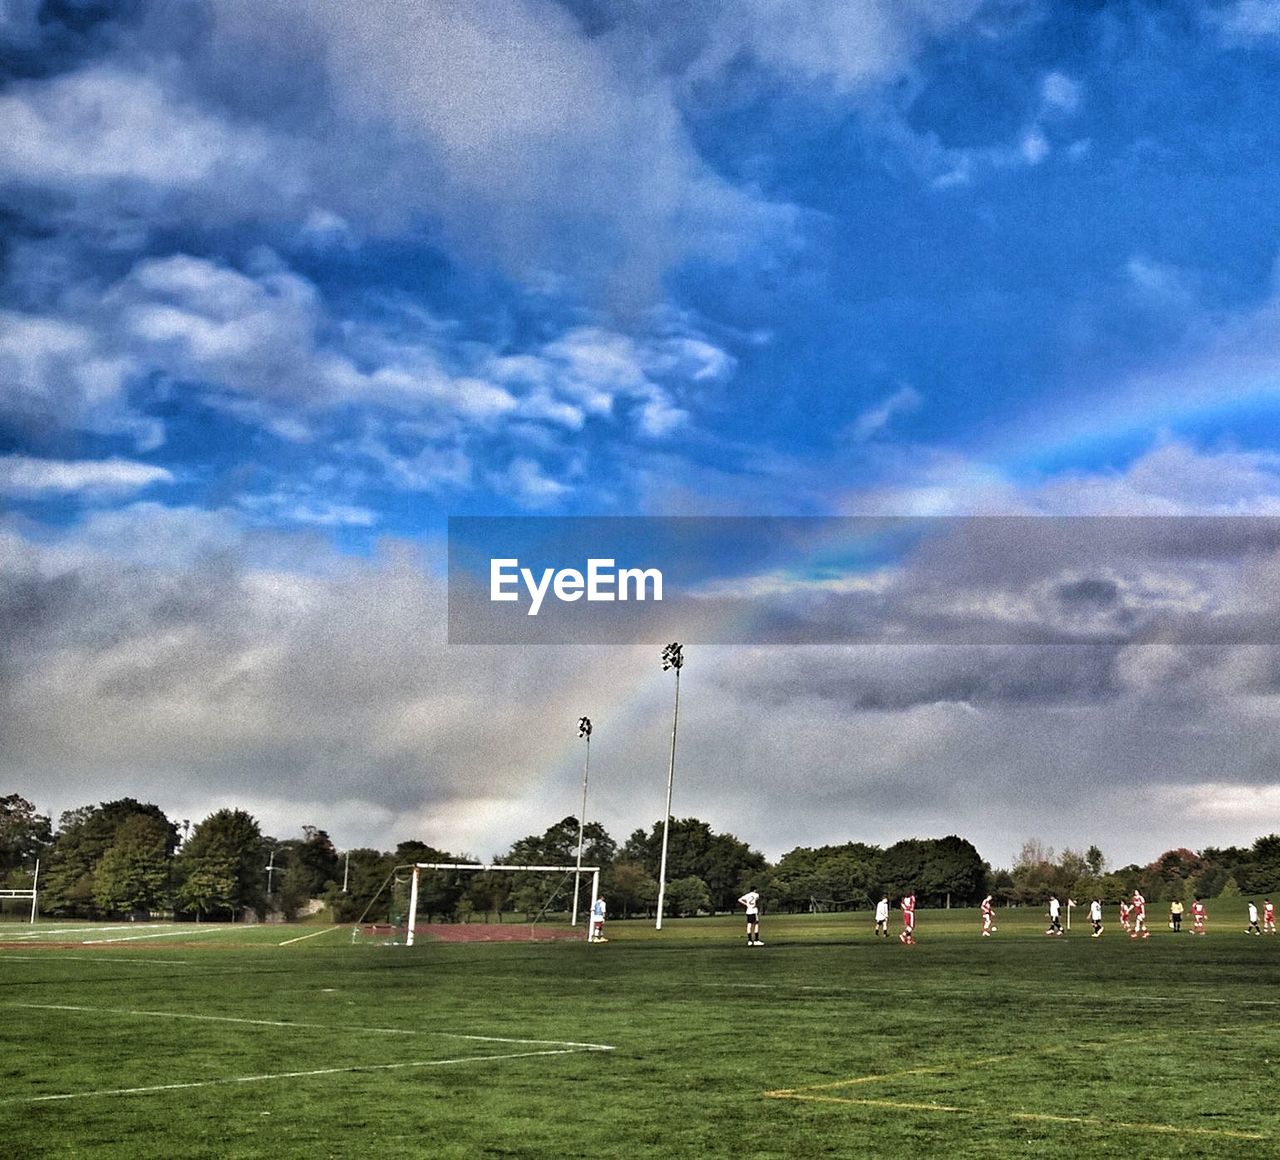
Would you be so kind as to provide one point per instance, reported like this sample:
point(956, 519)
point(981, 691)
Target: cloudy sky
point(287, 283)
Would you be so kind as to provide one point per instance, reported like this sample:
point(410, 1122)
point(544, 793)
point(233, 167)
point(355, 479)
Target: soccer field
point(218, 1041)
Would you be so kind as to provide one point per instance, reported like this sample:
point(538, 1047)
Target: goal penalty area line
point(535, 1048)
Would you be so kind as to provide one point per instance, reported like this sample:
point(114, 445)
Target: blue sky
point(285, 284)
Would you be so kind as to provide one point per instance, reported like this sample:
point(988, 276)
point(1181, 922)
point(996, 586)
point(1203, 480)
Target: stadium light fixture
point(672, 658)
point(584, 730)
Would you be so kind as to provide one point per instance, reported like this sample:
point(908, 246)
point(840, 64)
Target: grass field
point(218, 1041)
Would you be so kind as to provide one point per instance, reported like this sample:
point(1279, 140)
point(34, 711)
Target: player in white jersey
point(1055, 909)
point(751, 900)
point(988, 917)
point(1095, 917)
point(1253, 919)
point(598, 909)
point(882, 917)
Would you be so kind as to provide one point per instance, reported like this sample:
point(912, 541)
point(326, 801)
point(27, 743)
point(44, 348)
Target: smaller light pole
point(271, 869)
point(672, 658)
point(584, 730)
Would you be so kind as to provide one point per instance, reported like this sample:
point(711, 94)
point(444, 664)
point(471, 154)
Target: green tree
point(133, 875)
point(210, 885)
point(688, 896)
point(630, 889)
point(722, 861)
point(24, 834)
point(83, 838)
point(227, 841)
point(439, 891)
point(305, 869)
point(556, 846)
point(826, 878)
point(368, 873)
point(937, 869)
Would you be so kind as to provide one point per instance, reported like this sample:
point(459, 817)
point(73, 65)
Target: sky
point(286, 284)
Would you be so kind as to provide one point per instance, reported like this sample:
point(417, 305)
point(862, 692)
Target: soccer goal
point(479, 867)
point(33, 893)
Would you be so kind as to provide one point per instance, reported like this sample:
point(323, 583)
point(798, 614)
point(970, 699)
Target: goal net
point(482, 867)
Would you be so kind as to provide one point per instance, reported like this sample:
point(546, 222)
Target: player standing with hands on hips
point(751, 900)
point(597, 921)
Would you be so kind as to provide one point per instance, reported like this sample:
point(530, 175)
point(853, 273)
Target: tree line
point(127, 858)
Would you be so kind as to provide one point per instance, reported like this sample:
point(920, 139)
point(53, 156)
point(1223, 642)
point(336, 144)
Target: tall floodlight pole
point(584, 730)
point(672, 658)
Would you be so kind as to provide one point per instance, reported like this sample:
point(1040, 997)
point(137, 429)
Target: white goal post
point(418, 867)
point(33, 893)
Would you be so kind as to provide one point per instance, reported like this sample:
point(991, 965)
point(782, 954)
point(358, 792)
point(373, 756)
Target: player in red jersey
point(1139, 914)
point(1268, 917)
point(1198, 917)
point(988, 917)
point(908, 935)
point(1124, 916)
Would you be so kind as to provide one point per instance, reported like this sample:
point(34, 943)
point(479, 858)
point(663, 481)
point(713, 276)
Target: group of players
point(1133, 917)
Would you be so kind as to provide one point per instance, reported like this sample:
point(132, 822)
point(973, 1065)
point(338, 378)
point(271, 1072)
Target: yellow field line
point(934, 1069)
point(1046, 1117)
point(815, 1093)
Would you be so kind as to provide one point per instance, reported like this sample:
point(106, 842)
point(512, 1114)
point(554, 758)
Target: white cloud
point(844, 45)
point(1059, 92)
point(27, 476)
point(1250, 19)
point(107, 133)
point(1034, 146)
point(875, 420)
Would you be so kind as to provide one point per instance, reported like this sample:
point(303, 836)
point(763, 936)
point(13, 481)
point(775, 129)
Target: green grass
point(823, 1043)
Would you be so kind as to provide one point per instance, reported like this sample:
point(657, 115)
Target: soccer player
point(1124, 916)
point(882, 917)
point(1198, 916)
point(1139, 914)
point(1055, 908)
point(1095, 917)
point(1253, 919)
point(988, 917)
point(908, 935)
point(1175, 916)
point(1268, 917)
point(597, 920)
point(751, 900)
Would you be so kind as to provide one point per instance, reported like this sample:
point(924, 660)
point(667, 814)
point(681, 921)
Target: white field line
point(172, 1087)
point(199, 1018)
point(547, 1042)
point(301, 937)
point(90, 942)
point(93, 958)
point(63, 931)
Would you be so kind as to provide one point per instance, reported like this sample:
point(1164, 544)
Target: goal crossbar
point(481, 867)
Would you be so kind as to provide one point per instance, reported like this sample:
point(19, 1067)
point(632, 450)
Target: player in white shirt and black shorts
point(751, 900)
